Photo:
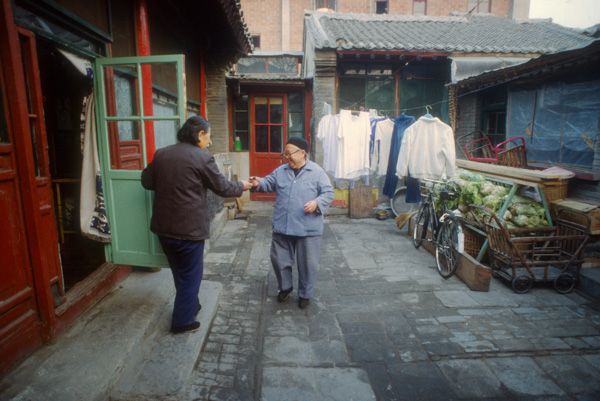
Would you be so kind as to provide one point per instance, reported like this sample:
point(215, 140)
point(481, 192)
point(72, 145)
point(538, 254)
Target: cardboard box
point(569, 205)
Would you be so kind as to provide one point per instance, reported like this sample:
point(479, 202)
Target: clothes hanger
point(428, 115)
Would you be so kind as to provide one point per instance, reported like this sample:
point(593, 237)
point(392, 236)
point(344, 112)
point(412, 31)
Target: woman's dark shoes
point(185, 329)
point(284, 295)
point(303, 302)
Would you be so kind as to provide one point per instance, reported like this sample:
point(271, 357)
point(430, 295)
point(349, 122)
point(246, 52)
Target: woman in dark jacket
point(180, 174)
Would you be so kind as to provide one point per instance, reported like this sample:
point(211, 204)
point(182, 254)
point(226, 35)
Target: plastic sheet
point(558, 120)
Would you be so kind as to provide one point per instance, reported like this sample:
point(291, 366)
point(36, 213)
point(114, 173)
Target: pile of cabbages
point(474, 188)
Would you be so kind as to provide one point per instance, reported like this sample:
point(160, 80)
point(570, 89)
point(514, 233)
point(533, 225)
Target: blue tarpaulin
point(559, 121)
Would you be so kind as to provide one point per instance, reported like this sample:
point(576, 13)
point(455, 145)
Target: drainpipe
point(142, 29)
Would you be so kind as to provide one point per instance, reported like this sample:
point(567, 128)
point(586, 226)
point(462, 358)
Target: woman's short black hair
point(189, 132)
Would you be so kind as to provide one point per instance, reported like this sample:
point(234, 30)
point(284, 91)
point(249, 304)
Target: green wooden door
point(140, 103)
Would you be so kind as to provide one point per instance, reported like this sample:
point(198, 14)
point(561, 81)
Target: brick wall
point(264, 16)
point(216, 110)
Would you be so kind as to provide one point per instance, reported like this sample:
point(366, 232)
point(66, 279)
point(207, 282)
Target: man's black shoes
point(185, 329)
point(303, 302)
point(284, 295)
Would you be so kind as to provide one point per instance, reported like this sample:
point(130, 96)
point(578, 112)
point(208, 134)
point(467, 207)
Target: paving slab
point(87, 359)
point(324, 384)
point(162, 366)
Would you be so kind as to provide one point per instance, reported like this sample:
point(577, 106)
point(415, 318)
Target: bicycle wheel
point(420, 231)
point(447, 250)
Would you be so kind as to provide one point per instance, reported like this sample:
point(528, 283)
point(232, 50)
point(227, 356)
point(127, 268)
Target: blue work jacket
point(292, 193)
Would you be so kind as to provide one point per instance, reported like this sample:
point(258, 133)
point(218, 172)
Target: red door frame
point(13, 68)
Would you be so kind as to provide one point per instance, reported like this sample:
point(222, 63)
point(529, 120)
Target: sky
point(571, 13)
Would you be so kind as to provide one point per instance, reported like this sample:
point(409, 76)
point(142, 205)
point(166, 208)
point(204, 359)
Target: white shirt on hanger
point(327, 133)
point(427, 150)
point(381, 146)
point(354, 136)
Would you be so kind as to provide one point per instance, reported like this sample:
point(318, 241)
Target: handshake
point(251, 183)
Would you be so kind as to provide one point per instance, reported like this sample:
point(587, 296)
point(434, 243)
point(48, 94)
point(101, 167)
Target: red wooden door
point(19, 321)
point(268, 126)
point(49, 244)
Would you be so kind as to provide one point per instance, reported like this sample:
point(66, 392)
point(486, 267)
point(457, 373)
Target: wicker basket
point(473, 243)
point(555, 190)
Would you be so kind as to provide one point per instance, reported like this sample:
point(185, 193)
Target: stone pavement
point(384, 325)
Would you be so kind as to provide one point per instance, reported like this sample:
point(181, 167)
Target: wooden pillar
point(142, 29)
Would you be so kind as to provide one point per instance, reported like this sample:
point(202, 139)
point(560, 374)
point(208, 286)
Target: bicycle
point(446, 230)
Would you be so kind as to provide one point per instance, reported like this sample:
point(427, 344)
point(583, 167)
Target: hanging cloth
point(391, 180)
point(93, 221)
point(327, 133)
point(427, 150)
point(354, 137)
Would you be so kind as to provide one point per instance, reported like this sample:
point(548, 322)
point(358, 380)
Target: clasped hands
point(252, 182)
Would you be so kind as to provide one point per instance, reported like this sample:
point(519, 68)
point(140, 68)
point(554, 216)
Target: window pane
point(296, 121)
point(261, 111)
point(382, 7)
point(282, 65)
point(241, 120)
point(295, 101)
point(380, 95)
point(125, 78)
point(353, 69)
point(276, 110)
point(351, 93)
point(262, 138)
point(165, 133)
point(128, 131)
point(379, 69)
point(164, 81)
point(276, 139)
point(252, 65)
point(241, 103)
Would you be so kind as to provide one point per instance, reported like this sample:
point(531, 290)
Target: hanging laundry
point(427, 150)
point(327, 132)
point(391, 180)
point(354, 134)
point(382, 141)
point(93, 220)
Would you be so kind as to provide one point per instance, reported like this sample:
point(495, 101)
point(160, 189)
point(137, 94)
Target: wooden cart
point(542, 254)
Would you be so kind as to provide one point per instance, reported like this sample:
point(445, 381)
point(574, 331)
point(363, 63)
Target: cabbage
point(470, 176)
point(493, 202)
point(520, 221)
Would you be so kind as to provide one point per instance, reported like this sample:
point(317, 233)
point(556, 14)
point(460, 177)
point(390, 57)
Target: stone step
point(163, 364)
point(118, 333)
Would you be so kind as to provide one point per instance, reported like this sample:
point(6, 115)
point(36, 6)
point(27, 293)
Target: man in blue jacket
point(303, 193)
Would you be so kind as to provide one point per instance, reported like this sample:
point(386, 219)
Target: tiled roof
point(458, 33)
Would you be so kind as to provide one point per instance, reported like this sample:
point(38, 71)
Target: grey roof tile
point(478, 33)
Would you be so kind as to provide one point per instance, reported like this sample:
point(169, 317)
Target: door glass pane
point(262, 138)
point(276, 110)
point(261, 113)
point(123, 91)
point(296, 121)
point(164, 82)
point(276, 139)
point(165, 132)
point(127, 130)
point(295, 101)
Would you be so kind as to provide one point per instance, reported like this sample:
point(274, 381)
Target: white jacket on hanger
point(427, 150)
